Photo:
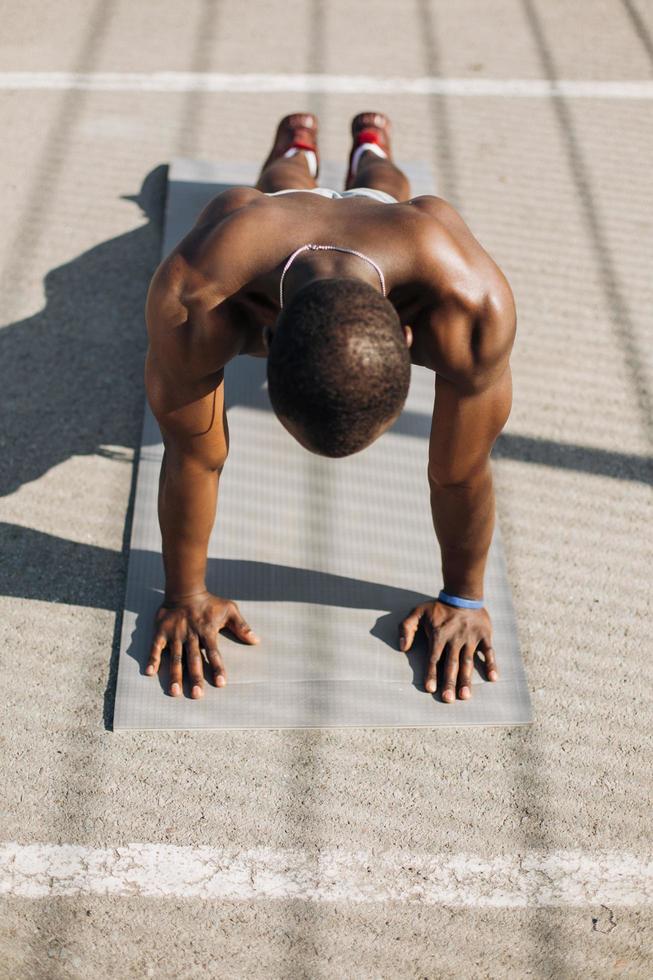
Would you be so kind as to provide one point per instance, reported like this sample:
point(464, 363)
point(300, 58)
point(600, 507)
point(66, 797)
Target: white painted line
point(560, 878)
point(179, 81)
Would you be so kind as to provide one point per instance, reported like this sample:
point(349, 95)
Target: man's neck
point(310, 266)
point(330, 264)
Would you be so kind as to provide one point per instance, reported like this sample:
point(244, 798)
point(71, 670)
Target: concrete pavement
point(559, 191)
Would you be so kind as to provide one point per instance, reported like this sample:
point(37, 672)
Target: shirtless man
point(401, 280)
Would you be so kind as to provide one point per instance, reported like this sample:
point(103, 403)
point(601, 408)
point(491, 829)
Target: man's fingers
point(451, 673)
point(217, 665)
point(195, 666)
point(237, 625)
point(175, 667)
point(465, 670)
point(431, 679)
point(487, 650)
point(408, 628)
point(157, 648)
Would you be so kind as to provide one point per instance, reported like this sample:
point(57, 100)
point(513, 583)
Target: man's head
point(338, 366)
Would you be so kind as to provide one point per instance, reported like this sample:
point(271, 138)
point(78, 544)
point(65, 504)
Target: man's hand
point(193, 624)
point(459, 632)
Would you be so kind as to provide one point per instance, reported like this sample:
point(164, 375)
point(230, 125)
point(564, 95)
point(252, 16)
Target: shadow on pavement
point(621, 321)
point(640, 28)
point(36, 565)
point(72, 374)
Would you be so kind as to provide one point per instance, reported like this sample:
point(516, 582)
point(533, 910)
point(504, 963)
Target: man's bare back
point(217, 296)
point(225, 273)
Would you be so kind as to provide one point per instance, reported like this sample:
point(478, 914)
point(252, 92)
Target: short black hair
point(338, 364)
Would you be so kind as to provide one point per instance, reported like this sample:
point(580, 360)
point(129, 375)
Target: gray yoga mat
point(324, 557)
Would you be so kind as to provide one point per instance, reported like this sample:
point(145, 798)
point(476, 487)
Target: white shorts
point(354, 192)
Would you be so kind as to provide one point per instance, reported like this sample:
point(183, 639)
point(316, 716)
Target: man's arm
point(471, 407)
point(464, 428)
point(196, 443)
point(191, 416)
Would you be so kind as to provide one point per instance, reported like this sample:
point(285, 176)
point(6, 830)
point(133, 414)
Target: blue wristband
point(459, 602)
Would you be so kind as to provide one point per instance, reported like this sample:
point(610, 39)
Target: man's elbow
point(452, 479)
point(197, 460)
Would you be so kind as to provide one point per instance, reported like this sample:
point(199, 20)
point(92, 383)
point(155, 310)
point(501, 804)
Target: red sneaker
point(368, 127)
point(300, 130)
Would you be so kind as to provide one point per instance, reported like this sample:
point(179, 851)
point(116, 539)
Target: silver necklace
point(318, 248)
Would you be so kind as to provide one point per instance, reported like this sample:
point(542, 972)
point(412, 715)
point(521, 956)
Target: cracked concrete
point(605, 922)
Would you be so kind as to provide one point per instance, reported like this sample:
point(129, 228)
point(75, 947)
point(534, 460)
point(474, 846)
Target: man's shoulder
point(436, 208)
point(472, 319)
point(224, 218)
point(455, 255)
point(227, 202)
